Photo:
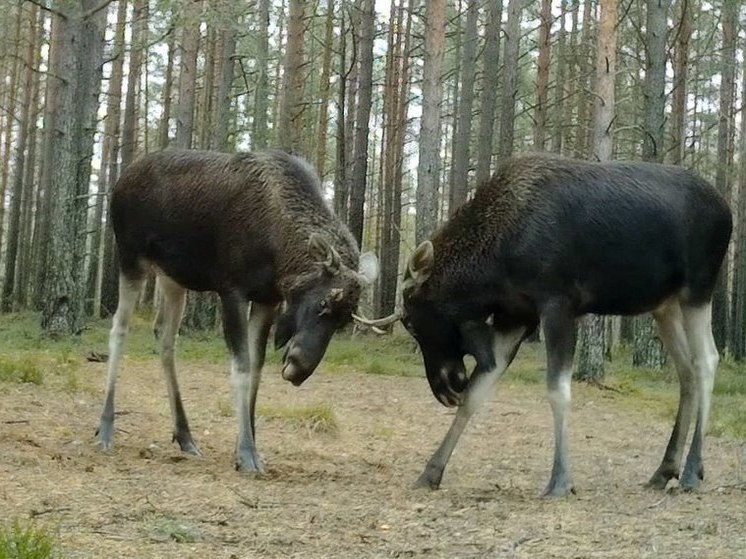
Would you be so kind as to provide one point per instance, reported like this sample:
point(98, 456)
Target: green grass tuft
point(319, 418)
point(164, 529)
point(25, 541)
point(21, 370)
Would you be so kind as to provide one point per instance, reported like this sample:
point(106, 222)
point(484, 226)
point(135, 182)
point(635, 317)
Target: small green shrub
point(25, 541)
point(19, 370)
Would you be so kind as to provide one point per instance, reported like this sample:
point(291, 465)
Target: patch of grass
point(319, 418)
point(25, 541)
point(226, 408)
point(21, 370)
point(164, 529)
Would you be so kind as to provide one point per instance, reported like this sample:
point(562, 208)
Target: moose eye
point(324, 307)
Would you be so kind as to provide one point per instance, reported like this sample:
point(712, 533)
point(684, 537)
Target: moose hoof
point(247, 463)
point(427, 480)
point(660, 479)
point(104, 437)
point(558, 490)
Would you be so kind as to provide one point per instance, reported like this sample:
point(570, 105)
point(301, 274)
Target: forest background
point(403, 107)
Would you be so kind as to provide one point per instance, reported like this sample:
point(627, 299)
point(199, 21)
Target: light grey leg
point(170, 312)
point(261, 318)
point(705, 359)
point(244, 377)
point(559, 332)
point(481, 384)
point(671, 329)
point(129, 291)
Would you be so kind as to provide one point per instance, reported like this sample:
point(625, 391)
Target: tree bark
point(648, 350)
point(542, 76)
point(428, 168)
point(325, 90)
point(490, 86)
point(724, 156)
point(681, 72)
point(259, 136)
point(9, 303)
point(510, 77)
point(462, 134)
point(82, 40)
point(362, 118)
point(190, 36)
point(593, 327)
point(220, 131)
point(289, 130)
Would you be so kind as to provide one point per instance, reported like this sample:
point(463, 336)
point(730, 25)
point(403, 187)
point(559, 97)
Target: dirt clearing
point(346, 494)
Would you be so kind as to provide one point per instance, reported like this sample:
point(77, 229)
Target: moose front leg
point(559, 332)
point(481, 383)
point(235, 330)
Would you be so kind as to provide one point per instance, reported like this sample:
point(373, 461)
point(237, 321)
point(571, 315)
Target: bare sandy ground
point(347, 494)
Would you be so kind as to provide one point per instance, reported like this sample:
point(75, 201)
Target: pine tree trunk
point(325, 90)
point(289, 131)
point(25, 264)
point(42, 218)
point(190, 36)
point(681, 72)
point(19, 161)
point(490, 86)
point(648, 351)
point(8, 131)
point(103, 239)
point(724, 156)
point(593, 327)
point(428, 168)
point(362, 118)
point(80, 81)
point(396, 103)
point(542, 76)
point(738, 304)
point(462, 136)
point(341, 194)
point(168, 84)
point(510, 77)
point(222, 118)
point(259, 136)
point(558, 112)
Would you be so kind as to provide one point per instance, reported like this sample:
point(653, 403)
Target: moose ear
point(323, 253)
point(420, 264)
point(368, 268)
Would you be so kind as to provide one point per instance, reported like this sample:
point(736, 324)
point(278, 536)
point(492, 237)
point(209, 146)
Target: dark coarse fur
point(610, 235)
point(254, 234)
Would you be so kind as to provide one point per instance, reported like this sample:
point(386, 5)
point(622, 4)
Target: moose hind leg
point(671, 330)
point(705, 359)
point(559, 332)
point(170, 312)
point(481, 383)
point(129, 291)
point(235, 329)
